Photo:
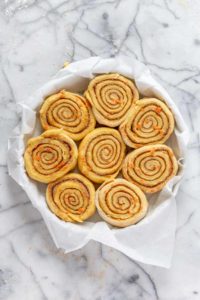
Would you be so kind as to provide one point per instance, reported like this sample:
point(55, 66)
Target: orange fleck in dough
point(156, 127)
point(45, 127)
point(82, 159)
point(158, 110)
point(117, 101)
point(138, 126)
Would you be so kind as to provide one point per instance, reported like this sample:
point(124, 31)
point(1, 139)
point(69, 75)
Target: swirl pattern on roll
point(150, 167)
point(149, 122)
point(71, 198)
point(69, 111)
point(101, 154)
point(50, 155)
point(111, 97)
point(121, 203)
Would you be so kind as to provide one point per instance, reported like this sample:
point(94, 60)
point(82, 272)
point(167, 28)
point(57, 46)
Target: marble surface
point(36, 37)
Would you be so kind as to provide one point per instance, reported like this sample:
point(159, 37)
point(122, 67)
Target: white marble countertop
point(36, 37)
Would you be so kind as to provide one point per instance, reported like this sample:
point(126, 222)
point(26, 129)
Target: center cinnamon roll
point(101, 154)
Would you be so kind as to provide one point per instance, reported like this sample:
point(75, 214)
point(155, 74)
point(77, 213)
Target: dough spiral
point(71, 198)
point(150, 167)
point(69, 111)
point(121, 203)
point(150, 122)
point(50, 155)
point(101, 154)
point(111, 97)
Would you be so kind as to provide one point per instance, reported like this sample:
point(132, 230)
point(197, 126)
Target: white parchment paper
point(150, 241)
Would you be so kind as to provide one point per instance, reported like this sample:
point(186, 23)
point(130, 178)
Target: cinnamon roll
point(150, 167)
point(71, 198)
point(101, 154)
point(69, 111)
point(121, 203)
point(111, 97)
point(149, 122)
point(50, 155)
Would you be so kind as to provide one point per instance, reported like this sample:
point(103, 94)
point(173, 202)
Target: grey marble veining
point(36, 37)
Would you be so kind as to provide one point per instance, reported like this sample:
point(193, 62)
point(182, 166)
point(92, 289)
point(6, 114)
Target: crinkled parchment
point(150, 241)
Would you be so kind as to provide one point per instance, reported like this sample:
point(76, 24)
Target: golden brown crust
point(149, 122)
point(101, 154)
point(68, 111)
point(121, 203)
point(111, 97)
point(50, 155)
point(150, 167)
point(71, 198)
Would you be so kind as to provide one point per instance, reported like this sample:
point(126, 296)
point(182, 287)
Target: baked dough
point(149, 122)
point(121, 203)
point(69, 111)
point(111, 97)
point(71, 198)
point(101, 154)
point(150, 167)
point(50, 155)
